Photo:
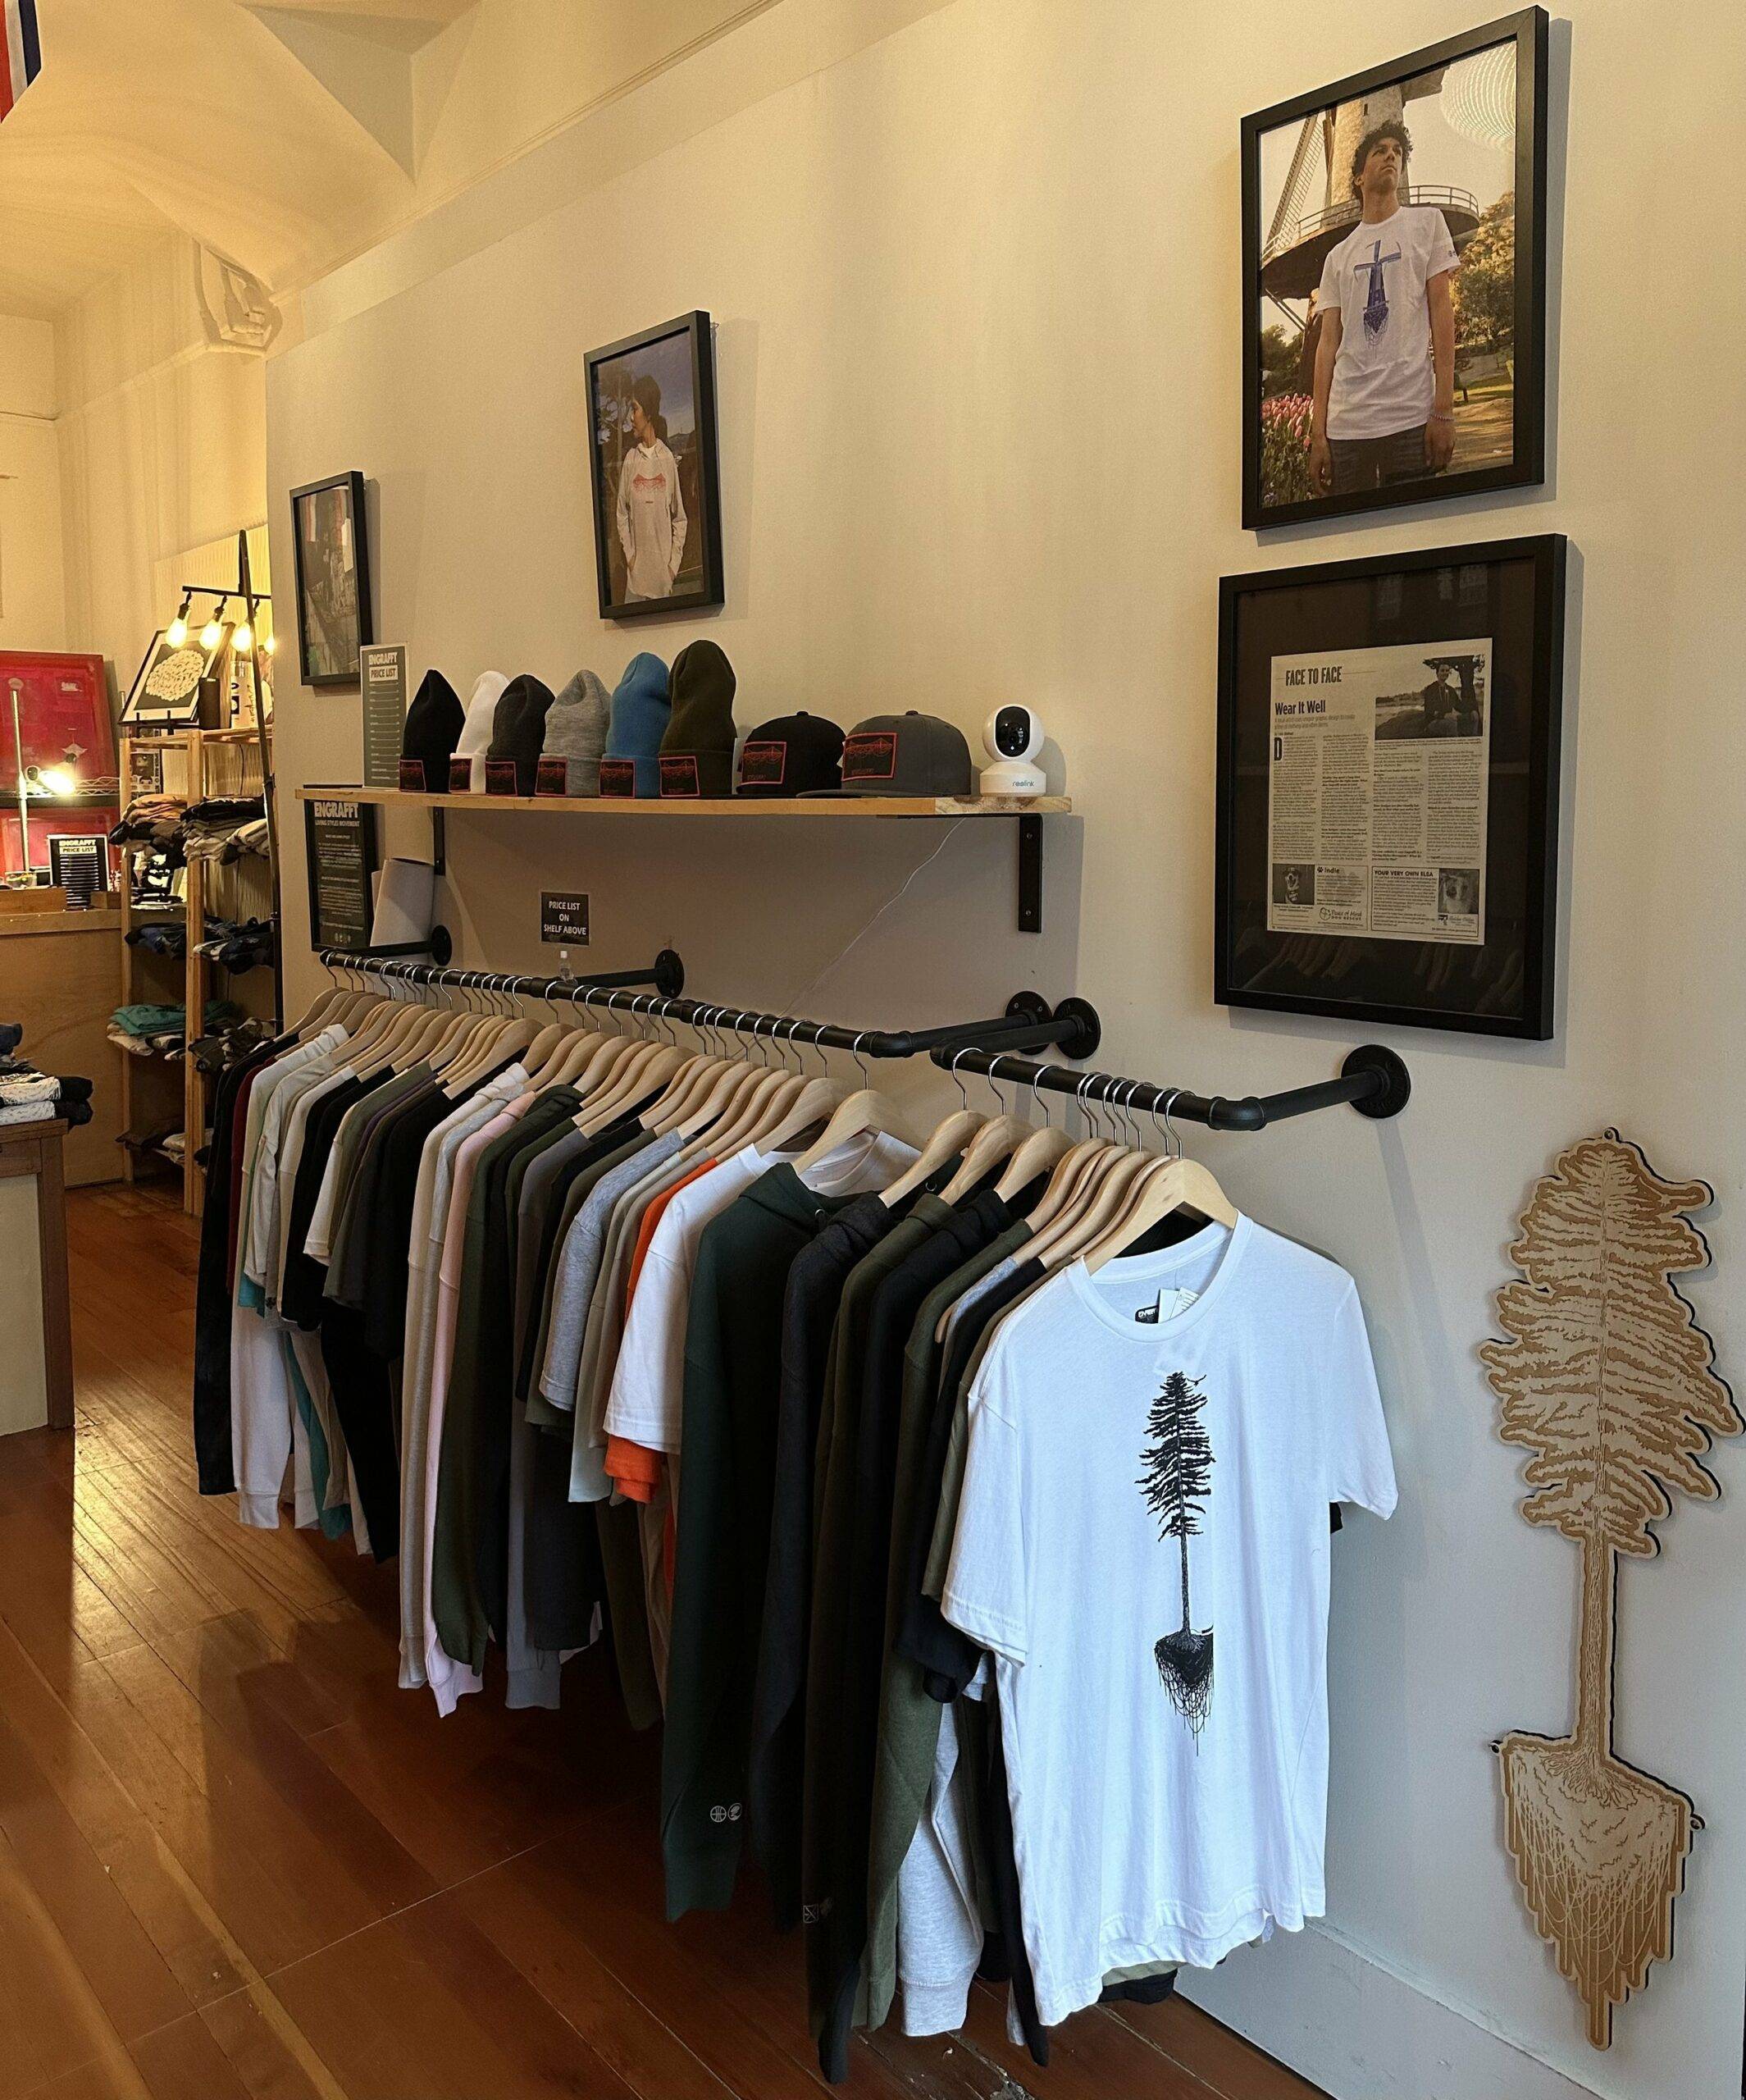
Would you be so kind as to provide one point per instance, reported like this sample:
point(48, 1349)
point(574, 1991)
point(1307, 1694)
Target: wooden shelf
point(862, 807)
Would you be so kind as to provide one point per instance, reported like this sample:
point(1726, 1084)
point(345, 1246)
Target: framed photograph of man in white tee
point(652, 469)
point(1394, 282)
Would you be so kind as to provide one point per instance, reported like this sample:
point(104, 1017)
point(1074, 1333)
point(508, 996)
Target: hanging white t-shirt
point(1384, 380)
point(1165, 1809)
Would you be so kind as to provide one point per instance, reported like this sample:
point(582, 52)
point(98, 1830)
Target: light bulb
point(270, 643)
point(213, 634)
point(176, 633)
point(243, 640)
point(59, 780)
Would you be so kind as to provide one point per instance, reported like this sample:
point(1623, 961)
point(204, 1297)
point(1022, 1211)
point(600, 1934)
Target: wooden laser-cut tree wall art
point(1608, 1382)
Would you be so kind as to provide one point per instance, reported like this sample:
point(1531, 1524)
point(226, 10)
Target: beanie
point(518, 728)
point(632, 764)
point(475, 734)
point(433, 728)
point(575, 736)
point(697, 750)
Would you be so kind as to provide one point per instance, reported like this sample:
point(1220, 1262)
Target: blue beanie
point(641, 707)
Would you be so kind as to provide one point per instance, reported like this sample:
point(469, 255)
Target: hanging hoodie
point(651, 519)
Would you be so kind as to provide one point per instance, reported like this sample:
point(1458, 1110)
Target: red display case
point(64, 733)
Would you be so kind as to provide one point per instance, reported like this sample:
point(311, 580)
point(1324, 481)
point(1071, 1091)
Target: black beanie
point(518, 729)
point(697, 750)
point(433, 729)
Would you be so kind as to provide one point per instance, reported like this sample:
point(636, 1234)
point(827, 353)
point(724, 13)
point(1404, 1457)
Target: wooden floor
point(235, 1859)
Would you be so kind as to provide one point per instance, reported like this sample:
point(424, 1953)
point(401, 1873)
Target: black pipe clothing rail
point(1373, 1079)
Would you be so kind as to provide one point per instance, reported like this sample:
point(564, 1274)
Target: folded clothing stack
point(252, 838)
point(150, 820)
point(209, 826)
point(238, 945)
point(164, 937)
point(29, 1096)
point(144, 1030)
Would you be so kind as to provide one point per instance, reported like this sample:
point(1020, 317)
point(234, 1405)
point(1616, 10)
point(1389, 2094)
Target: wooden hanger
point(1038, 1154)
point(1094, 1213)
point(864, 1112)
point(947, 1139)
point(1169, 1184)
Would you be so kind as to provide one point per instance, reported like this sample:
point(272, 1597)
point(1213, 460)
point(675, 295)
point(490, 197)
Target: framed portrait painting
point(330, 539)
point(1394, 282)
point(1387, 787)
point(652, 469)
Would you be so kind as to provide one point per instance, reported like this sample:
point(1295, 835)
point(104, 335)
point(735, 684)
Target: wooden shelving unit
point(1025, 814)
point(194, 764)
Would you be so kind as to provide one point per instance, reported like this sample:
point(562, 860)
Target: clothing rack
point(1373, 1079)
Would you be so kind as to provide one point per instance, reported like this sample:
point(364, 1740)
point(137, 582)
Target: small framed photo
point(176, 687)
point(1387, 796)
point(331, 541)
point(1394, 282)
point(652, 465)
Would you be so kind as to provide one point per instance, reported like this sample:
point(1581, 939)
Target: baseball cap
point(908, 754)
point(794, 755)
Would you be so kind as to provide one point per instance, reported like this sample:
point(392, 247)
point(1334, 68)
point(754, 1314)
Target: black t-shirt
point(778, 1727)
point(300, 1290)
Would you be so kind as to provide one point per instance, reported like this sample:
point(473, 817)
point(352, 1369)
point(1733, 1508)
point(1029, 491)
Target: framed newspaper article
point(1388, 745)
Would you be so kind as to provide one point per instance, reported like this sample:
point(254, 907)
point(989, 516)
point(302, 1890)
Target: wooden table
point(36, 1370)
point(60, 978)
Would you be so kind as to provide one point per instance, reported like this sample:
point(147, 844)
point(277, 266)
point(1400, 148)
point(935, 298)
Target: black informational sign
point(340, 836)
point(381, 676)
point(564, 918)
point(78, 864)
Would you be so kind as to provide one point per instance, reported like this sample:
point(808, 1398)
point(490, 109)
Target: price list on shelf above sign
point(564, 918)
point(381, 667)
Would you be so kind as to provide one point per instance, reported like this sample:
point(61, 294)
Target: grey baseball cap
point(908, 754)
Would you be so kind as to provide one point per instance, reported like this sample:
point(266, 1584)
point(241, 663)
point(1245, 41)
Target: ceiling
point(261, 131)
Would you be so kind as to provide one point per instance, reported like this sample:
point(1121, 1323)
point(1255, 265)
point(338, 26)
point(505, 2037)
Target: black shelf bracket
point(1030, 874)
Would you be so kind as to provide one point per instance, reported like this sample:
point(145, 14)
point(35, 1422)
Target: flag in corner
point(21, 51)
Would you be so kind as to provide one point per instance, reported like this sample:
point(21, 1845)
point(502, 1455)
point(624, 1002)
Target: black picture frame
point(324, 660)
point(198, 706)
point(1512, 592)
point(1526, 466)
point(697, 467)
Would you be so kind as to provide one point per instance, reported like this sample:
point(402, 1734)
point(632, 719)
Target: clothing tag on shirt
point(1149, 1315)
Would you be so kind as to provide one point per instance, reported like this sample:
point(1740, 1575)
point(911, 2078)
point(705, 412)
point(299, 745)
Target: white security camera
point(1013, 735)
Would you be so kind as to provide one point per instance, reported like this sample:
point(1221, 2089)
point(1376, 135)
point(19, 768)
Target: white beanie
point(476, 732)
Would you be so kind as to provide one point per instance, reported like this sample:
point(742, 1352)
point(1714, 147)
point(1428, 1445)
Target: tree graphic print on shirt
point(1376, 305)
point(1177, 1483)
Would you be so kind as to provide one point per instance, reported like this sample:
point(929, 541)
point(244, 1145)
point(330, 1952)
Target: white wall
point(33, 585)
point(162, 450)
point(977, 298)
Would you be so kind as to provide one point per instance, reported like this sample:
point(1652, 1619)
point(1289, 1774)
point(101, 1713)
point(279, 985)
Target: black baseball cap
point(908, 754)
point(794, 755)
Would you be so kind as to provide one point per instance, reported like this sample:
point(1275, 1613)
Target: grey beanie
point(575, 732)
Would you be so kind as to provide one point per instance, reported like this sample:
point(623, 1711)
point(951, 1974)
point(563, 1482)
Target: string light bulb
point(243, 640)
point(176, 633)
point(213, 633)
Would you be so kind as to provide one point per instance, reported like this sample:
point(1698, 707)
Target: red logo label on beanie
point(552, 777)
point(872, 756)
point(500, 776)
point(460, 776)
point(764, 764)
point(679, 776)
point(618, 776)
point(412, 776)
